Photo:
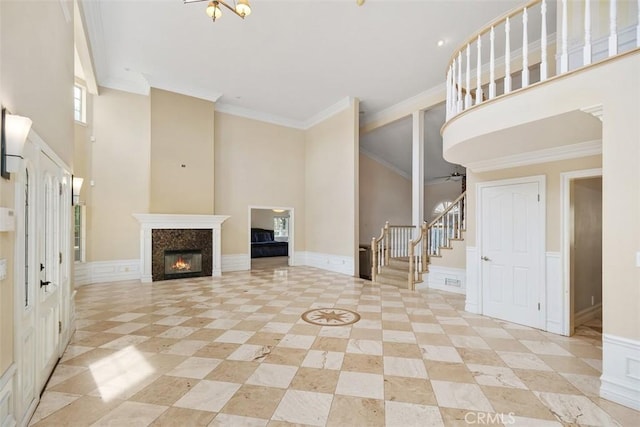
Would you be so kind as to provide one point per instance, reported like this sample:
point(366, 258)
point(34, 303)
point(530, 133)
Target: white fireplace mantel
point(149, 222)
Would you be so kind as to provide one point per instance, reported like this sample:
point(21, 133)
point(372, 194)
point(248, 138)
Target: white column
point(564, 52)
point(638, 28)
point(586, 52)
point(543, 42)
point(467, 97)
point(492, 63)
point(613, 28)
point(417, 170)
point(460, 100)
point(525, 49)
point(479, 73)
point(507, 56)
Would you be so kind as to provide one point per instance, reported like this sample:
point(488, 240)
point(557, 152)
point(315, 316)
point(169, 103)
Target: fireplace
point(182, 263)
point(181, 253)
point(166, 232)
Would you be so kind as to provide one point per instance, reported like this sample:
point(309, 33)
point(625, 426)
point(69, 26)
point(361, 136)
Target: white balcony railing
point(525, 39)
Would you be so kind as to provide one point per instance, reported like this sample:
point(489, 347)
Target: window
point(442, 206)
point(79, 215)
point(79, 98)
point(281, 228)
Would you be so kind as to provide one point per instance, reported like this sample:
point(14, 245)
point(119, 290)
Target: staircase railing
point(418, 257)
point(521, 41)
point(447, 226)
point(392, 243)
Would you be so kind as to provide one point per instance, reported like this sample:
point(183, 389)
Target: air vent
point(452, 282)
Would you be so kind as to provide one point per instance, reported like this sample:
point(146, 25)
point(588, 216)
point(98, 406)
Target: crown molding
point(386, 164)
point(421, 101)
point(258, 115)
point(194, 92)
point(330, 111)
point(284, 121)
point(95, 32)
point(141, 87)
point(563, 152)
point(595, 110)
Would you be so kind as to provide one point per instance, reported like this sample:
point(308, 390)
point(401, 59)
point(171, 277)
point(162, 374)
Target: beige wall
point(552, 173)
point(384, 196)
point(621, 175)
point(120, 170)
point(257, 164)
point(331, 171)
point(182, 156)
point(38, 86)
point(586, 244)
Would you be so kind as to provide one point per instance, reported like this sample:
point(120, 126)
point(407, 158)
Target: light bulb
point(243, 8)
point(213, 10)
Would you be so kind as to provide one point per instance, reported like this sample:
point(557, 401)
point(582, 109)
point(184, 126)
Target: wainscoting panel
point(236, 262)
point(335, 263)
point(7, 417)
point(620, 381)
point(87, 273)
point(447, 279)
point(472, 304)
point(555, 295)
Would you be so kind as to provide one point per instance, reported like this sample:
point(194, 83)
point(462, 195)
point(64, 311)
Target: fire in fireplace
point(182, 263)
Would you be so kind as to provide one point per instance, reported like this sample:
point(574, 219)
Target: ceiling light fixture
point(241, 8)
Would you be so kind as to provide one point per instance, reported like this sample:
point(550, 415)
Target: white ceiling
point(290, 60)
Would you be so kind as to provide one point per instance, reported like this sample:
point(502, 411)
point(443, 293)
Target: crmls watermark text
point(481, 418)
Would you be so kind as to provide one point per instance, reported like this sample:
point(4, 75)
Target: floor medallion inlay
point(330, 317)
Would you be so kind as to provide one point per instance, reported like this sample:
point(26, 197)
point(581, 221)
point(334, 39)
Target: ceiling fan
point(454, 176)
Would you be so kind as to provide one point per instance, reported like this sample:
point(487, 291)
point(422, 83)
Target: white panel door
point(49, 254)
point(511, 244)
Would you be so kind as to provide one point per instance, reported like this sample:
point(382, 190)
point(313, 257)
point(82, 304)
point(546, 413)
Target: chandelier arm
point(230, 8)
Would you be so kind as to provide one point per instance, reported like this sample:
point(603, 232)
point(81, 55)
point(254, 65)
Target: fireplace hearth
point(182, 263)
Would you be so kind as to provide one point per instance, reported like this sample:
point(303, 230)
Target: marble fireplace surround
point(149, 222)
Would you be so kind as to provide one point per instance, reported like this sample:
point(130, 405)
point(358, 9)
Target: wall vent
point(452, 282)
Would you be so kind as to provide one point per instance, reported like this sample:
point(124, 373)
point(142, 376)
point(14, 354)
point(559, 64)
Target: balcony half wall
point(556, 117)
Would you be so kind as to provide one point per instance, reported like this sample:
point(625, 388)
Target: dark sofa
point(263, 244)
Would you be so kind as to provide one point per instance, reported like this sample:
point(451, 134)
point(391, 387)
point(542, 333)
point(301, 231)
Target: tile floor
point(233, 351)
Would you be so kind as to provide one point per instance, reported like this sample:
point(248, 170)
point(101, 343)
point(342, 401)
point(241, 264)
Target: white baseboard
point(87, 273)
point(335, 263)
point(583, 316)
point(620, 380)
point(236, 262)
point(7, 417)
point(299, 258)
point(438, 277)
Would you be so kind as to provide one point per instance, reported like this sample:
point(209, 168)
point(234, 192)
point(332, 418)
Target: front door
point(511, 245)
point(49, 260)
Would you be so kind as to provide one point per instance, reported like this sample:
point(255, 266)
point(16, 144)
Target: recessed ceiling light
point(440, 43)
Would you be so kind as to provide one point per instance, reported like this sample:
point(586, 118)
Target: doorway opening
point(582, 238)
point(270, 237)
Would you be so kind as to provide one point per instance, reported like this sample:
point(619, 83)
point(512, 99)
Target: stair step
point(402, 272)
point(393, 281)
point(400, 263)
